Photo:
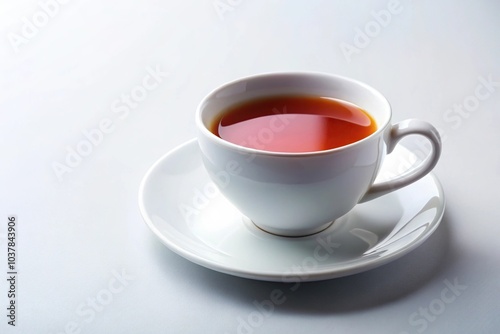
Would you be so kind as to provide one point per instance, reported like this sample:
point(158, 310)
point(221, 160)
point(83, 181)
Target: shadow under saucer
point(364, 290)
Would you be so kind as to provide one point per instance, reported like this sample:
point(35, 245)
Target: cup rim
point(248, 150)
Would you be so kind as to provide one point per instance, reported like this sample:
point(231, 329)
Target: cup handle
point(397, 132)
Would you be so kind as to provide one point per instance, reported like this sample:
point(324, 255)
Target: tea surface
point(292, 123)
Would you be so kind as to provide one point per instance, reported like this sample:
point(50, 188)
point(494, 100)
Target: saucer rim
point(346, 269)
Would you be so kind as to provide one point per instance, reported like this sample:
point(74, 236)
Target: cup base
point(293, 234)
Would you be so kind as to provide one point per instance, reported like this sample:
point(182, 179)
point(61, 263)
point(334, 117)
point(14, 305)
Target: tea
point(291, 123)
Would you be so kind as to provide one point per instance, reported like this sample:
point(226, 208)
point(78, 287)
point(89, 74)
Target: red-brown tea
point(290, 123)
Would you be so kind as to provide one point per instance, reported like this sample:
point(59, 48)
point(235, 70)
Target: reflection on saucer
point(191, 218)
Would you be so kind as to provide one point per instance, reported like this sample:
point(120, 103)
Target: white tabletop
point(86, 262)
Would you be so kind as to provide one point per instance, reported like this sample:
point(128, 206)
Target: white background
point(80, 228)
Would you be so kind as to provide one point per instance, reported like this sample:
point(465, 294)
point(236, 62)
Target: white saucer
point(183, 208)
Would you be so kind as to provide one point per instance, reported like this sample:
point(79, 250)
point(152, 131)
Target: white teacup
point(297, 194)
